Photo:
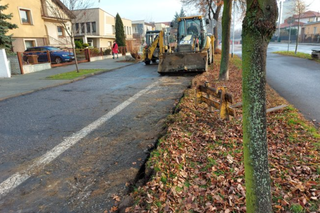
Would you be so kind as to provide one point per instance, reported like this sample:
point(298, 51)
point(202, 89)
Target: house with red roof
point(308, 24)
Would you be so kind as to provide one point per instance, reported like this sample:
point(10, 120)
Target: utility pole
point(280, 5)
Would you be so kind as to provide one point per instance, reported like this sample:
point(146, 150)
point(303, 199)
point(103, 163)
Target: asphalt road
point(295, 79)
point(298, 81)
point(72, 147)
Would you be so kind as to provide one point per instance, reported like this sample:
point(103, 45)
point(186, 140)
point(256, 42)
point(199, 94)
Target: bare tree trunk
point(297, 40)
point(74, 53)
point(258, 28)
point(225, 48)
point(215, 30)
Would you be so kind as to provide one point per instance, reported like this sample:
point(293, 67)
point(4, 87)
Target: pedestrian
point(115, 49)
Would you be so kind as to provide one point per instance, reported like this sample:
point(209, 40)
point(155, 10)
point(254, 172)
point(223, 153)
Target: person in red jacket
point(115, 49)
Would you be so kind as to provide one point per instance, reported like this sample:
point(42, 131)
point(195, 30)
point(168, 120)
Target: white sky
point(157, 10)
point(148, 10)
point(314, 5)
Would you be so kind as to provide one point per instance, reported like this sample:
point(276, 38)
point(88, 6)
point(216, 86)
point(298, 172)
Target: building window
point(83, 30)
point(25, 16)
point(29, 43)
point(113, 30)
point(94, 29)
point(60, 31)
point(88, 27)
point(315, 30)
point(77, 28)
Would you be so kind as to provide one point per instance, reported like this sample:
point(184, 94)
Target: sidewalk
point(23, 84)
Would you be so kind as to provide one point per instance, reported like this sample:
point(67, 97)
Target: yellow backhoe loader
point(156, 44)
point(194, 49)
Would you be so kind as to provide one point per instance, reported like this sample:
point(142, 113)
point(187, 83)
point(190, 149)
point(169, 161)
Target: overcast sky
point(157, 10)
point(148, 10)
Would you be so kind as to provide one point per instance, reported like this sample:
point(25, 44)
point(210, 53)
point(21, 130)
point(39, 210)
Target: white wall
point(4, 65)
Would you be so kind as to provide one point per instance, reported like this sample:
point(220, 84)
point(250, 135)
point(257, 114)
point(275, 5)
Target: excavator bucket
point(183, 62)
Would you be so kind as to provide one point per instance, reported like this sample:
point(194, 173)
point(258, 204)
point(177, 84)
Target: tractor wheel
point(147, 62)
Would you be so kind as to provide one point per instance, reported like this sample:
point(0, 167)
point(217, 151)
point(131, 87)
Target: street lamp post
point(290, 21)
point(280, 2)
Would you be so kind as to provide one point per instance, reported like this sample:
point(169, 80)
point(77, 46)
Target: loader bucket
point(183, 62)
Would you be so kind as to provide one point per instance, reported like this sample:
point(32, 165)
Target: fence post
point(223, 104)
point(49, 58)
point(20, 62)
point(211, 108)
point(87, 53)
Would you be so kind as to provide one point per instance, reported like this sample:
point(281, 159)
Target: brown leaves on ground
point(198, 164)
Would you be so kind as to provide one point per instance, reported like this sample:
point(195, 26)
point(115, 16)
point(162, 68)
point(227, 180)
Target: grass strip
point(74, 74)
point(298, 55)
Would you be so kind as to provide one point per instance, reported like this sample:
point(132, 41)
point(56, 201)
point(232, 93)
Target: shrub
point(85, 45)
point(95, 51)
point(107, 52)
point(78, 44)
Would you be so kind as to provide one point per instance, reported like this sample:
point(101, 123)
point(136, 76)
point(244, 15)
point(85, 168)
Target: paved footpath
point(24, 84)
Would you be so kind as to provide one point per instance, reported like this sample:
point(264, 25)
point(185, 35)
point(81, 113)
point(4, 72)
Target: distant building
point(311, 32)
point(140, 27)
point(287, 10)
point(97, 28)
point(162, 26)
point(37, 23)
point(308, 17)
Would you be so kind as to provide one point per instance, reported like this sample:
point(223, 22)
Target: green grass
point(298, 55)
point(73, 74)
point(237, 61)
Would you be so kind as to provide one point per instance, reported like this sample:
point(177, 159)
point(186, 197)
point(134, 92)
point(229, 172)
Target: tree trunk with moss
point(225, 48)
point(258, 27)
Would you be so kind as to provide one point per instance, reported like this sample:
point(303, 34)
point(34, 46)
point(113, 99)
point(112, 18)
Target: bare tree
point(63, 16)
point(61, 11)
point(77, 4)
point(259, 25)
point(299, 9)
point(225, 53)
point(226, 25)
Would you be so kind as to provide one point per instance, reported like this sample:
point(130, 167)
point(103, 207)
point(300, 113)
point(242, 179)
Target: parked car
point(315, 54)
point(57, 55)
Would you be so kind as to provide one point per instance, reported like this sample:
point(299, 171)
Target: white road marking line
point(18, 178)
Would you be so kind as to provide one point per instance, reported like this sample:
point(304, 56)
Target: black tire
point(57, 60)
point(147, 62)
point(154, 61)
point(210, 59)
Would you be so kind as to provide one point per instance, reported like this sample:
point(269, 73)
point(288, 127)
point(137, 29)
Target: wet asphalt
point(298, 81)
point(86, 177)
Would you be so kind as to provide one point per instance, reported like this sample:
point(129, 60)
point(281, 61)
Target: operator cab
point(151, 36)
point(191, 33)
